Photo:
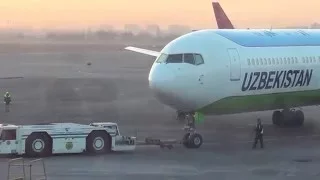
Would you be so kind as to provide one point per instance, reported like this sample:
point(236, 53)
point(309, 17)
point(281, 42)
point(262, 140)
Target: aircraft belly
point(262, 102)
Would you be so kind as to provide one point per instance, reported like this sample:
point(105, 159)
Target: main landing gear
point(288, 117)
point(191, 139)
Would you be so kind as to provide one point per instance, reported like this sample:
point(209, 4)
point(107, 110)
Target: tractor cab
point(8, 139)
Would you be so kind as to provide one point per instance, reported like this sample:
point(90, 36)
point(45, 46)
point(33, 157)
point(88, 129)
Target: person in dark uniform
point(258, 134)
point(7, 98)
point(7, 101)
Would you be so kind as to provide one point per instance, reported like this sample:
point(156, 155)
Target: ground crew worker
point(258, 134)
point(7, 98)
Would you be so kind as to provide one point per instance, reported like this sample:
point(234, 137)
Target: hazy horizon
point(82, 13)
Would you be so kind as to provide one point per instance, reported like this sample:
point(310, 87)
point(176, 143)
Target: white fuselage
point(237, 64)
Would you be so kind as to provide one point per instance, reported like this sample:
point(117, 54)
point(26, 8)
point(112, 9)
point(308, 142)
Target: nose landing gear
point(181, 116)
point(191, 139)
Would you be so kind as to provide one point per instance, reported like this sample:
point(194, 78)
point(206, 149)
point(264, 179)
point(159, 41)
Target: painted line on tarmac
point(12, 77)
point(250, 125)
point(239, 142)
point(313, 135)
point(271, 139)
point(220, 170)
point(241, 127)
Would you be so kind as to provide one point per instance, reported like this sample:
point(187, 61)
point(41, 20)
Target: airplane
point(229, 71)
point(223, 22)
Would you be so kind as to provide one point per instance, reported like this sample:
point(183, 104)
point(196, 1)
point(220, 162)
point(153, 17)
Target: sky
point(196, 14)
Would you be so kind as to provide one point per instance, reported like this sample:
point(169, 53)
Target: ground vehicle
point(54, 138)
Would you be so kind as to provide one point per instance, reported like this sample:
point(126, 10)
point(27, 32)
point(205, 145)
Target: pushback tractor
point(63, 138)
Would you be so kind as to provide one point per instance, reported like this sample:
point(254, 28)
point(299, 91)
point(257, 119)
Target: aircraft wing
point(143, 51)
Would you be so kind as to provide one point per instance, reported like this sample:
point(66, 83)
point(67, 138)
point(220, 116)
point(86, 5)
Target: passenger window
point(273, 61)
point(253, 62)
point(174, 58)
point(162, 58)
point(198, 59)
point(248, 61)
point(188, 58)
point(269, 61)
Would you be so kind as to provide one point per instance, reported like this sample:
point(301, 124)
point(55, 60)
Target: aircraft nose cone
point(158, 84)
point(163, 83)
point(160, 78)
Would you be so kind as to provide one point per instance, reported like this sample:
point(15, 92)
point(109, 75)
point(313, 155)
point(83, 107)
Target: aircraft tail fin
point(222, 19)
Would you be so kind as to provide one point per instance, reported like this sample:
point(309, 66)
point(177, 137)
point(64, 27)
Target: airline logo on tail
point(276, 79)
point(222, 19)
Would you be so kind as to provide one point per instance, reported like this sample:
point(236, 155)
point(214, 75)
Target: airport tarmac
point(58, 86)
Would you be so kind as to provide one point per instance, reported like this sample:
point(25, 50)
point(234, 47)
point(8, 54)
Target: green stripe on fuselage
point(239, 104)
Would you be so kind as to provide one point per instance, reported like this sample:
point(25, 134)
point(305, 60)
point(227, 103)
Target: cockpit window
point(198, 59)
point(188, 58)
point(162, 58)
point(174, 58)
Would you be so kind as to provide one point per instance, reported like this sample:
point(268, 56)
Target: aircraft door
point(235, 66)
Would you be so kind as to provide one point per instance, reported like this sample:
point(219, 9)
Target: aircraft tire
point(277, 118)
point(38, 145)
point(299, 118)
point(98, 142)
point(195, 140)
